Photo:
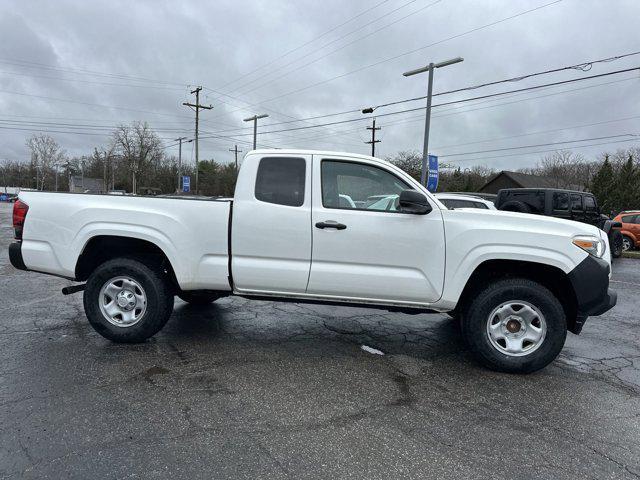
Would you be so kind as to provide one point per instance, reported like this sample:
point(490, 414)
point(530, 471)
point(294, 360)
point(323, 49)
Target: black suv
point(567, 204)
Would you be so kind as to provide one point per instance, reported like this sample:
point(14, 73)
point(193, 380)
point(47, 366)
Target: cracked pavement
point(254, 389)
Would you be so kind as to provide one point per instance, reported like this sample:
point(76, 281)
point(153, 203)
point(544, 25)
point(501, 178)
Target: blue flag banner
point(432, 178)
point(186, 184)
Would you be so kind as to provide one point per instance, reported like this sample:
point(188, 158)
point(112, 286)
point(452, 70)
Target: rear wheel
point(514, 325)
point(128, 301)
point(198, 297)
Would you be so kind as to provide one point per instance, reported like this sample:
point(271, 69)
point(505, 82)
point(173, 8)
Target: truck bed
point(192, 232)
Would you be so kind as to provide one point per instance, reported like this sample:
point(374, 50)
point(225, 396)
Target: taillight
point(20, 210)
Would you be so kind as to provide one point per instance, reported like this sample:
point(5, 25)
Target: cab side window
point(281, 180)
point(359, 186)
point(589, 203)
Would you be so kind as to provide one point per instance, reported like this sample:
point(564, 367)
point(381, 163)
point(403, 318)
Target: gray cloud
point(151, 51)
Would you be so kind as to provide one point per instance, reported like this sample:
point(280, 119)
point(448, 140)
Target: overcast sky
point(78, 68)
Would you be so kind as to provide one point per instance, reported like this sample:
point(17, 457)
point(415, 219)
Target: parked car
point(515, 282)
point(567, 204)
point(630, 230)
point(456, 200)
point(8, 197)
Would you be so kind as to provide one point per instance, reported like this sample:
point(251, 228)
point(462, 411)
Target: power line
point(395, 57)
point(542, 151)
point(535, 87)
point(471, 87)
point(540, 132)
point(28, 64)
point(416, 118)
point(539, 145)
point(90, 104)
point(345, 45)
point(89, 82)
point(325, 33)
point(442, 104)
point(585, 67)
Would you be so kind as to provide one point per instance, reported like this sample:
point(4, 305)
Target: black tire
point(157, 289)
point(198, 297)
point(476, 315)
point(615, 243)
point(515, 206)
point(627, 244)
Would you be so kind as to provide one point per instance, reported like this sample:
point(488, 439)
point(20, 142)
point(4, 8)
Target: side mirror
point(616, 224)
point(414, 202)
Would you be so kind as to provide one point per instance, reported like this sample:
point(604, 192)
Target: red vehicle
point(630, 221)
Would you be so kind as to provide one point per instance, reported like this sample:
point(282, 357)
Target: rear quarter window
point(535, 199)
point(561, 201)
point(281, 180)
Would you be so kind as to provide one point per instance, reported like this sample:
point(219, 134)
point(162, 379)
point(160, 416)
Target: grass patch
point(631, 254)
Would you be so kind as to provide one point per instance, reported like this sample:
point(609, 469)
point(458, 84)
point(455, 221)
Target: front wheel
point(627, 243)
point(515, 326)
point(128, 301)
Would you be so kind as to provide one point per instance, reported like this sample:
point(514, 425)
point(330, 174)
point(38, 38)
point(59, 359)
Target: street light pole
point(427, 123)
point(254, 119)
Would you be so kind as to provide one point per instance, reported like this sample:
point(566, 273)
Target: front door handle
point(331, 224)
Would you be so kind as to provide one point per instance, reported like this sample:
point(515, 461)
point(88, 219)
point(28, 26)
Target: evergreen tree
point(603, 186)
point(627, 186)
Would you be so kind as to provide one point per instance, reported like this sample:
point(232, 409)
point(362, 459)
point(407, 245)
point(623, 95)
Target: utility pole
point(373, 140)
point(197, 108)
point(179, 140)
point(427, 124)
point(255, 119)
point(113, 173)
point(236, 151)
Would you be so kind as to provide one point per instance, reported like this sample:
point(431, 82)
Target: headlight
point(592, 245)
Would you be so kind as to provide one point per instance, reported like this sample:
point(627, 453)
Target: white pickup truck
point(323, 227)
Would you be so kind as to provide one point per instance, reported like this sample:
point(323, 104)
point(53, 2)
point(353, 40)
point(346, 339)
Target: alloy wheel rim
point(626, 244)
point(516, 328)
point(122, 301)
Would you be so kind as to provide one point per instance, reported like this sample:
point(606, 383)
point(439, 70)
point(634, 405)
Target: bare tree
point(45, 155)
point(568, 169)
point(409, 161)
point(140, 148)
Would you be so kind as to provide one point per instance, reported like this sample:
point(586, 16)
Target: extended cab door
point(271, 224)
point(363, 247)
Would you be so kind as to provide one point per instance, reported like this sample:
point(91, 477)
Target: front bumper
point(590, 281)
point(15, 255)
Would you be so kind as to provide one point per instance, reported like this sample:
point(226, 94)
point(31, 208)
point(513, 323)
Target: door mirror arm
point(412, 201)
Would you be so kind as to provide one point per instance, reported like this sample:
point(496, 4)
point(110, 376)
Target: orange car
point(630, 228)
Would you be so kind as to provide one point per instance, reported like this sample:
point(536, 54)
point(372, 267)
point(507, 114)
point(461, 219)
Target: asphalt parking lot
point(265, 390)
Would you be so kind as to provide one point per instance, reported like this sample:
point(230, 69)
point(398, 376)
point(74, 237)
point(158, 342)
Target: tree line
point(614, 178)
point(134, 158)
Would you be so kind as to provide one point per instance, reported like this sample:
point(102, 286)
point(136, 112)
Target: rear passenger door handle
point(331, 224)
